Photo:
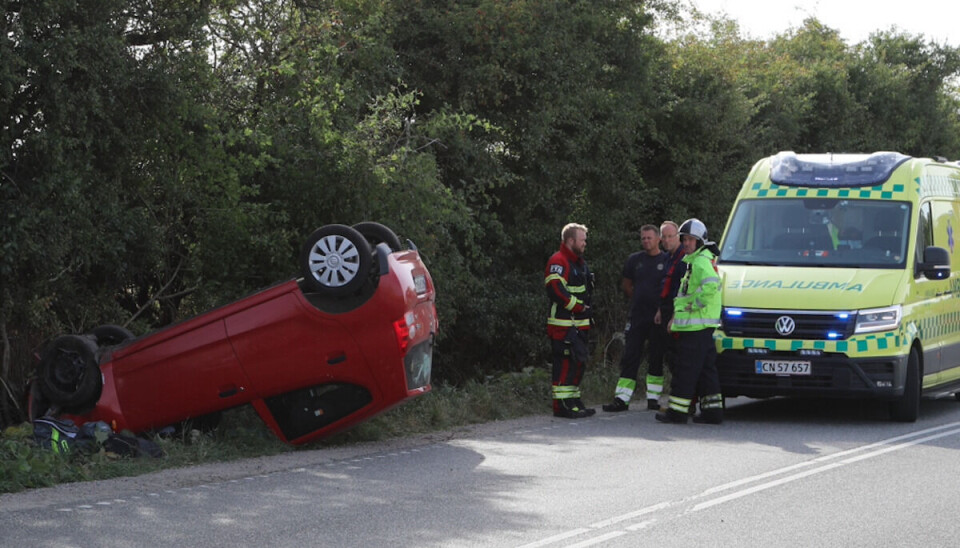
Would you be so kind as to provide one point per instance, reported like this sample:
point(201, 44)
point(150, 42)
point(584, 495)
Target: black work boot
point(589, 410)
point(672, 417)
point(616, 406)
point(709, 416)
point(570, 409)
point(653, 405)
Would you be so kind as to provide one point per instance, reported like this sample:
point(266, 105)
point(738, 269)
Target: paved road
point(778, 472)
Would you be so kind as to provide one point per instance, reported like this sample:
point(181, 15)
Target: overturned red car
point(348, 340)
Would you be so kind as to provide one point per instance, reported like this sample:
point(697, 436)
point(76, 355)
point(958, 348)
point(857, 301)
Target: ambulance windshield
point(818, 232)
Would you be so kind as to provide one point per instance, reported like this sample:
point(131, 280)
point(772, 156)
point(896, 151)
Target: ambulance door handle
point(944, 293)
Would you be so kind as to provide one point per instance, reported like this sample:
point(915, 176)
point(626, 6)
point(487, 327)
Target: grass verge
point(241, 434)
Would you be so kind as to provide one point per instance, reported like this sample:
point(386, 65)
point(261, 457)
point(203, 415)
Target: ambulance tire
point(907, 408)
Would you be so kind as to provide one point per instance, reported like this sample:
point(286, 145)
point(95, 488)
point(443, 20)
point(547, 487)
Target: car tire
point(376, 233)
point(37, 403)
point(111, 335)
point(907, 408)
point(335, 260)
point(68, 373)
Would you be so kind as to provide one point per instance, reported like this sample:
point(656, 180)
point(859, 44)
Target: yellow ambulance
point(840, 279)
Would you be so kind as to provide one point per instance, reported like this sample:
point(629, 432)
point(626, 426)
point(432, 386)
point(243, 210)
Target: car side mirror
point(936, 263)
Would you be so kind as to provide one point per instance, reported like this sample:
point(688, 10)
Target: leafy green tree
point(93, 195)
point(341, 138)
point(568, 86)
point(704, 139)
point(161, 157)
point(908, 92)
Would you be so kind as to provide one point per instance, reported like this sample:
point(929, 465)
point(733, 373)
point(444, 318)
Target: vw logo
point(785, 325)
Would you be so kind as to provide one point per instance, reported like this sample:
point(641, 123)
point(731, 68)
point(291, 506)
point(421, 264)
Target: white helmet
point(695, 228)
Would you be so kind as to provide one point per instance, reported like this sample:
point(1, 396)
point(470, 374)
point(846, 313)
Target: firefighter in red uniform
point(569, 285)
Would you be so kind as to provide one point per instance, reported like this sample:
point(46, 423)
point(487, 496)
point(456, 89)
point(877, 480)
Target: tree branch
point(157, 296)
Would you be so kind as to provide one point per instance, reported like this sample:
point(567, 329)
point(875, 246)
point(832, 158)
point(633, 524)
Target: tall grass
point(241, 434)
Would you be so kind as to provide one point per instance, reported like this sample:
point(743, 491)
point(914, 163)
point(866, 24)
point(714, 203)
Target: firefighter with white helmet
point(696, 316)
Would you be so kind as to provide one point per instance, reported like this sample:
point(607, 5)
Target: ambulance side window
point(924, 232)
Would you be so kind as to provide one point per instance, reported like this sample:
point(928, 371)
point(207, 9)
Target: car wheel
point(68, 373)
point(376, 233)
point(907, 408)
point(111, 335)
point(37, 403)
point(335, 260)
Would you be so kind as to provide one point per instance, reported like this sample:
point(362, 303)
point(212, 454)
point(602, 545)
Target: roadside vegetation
point(241, 434)
point(160, 158)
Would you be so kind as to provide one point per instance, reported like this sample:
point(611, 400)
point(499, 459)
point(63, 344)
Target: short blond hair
point(570, 231)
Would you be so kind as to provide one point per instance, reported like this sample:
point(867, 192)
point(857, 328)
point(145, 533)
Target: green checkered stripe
point(874, 343)
point(938, 185)
point(931, 185)
point(767, 189)
point(942, 325)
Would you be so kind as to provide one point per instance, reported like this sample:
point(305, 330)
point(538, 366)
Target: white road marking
point(631, 515)
point(886, 449)
point(598, 540)
point(825, 458)
point(555, 538)
point(348, 464)
point(845, 457)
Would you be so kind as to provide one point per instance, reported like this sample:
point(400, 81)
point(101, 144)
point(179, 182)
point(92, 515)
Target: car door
point(186, 371)
point(284, 344)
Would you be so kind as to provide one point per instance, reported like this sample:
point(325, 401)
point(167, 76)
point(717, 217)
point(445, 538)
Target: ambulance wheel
point(335, 261)
point(68, 373)
point(111, 335)
point(376, 233)
point(907, 408)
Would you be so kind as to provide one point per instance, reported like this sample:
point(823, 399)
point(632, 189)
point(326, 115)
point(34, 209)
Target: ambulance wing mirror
point(936, 263)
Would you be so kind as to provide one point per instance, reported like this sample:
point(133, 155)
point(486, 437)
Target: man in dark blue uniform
point(642, 282)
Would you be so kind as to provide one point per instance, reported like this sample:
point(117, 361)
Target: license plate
point(420, 284)
point(782, 367)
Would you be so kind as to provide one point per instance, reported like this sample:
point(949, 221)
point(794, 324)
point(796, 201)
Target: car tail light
point(402, 328)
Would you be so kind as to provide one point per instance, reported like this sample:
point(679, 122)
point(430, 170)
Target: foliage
point(159, 158)
point(567, 85)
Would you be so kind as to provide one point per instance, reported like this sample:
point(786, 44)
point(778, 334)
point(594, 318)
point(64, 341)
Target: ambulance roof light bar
point(834, 170)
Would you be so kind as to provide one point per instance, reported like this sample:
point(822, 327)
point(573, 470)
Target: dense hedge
point(160, 158)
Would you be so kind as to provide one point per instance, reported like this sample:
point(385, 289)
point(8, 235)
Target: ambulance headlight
point(879, 319)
